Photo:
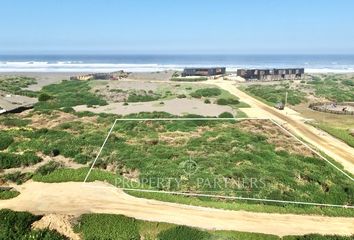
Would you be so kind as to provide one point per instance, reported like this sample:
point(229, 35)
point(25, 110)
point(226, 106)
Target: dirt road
point(292, 121)
point(79, 198)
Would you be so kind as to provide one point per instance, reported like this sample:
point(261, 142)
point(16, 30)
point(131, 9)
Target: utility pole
point(286, 99)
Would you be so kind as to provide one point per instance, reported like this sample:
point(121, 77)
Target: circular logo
point(189, 167)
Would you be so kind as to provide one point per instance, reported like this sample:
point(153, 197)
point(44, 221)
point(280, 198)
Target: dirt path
point(79, 198)
point(291, 120)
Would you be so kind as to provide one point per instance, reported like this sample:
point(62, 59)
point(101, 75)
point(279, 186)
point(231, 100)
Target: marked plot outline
point(222, 196)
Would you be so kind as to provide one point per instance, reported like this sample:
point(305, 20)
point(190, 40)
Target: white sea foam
point(79, 66)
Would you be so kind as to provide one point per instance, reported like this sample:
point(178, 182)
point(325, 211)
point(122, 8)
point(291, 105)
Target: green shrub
point(68, 110)
point(181, 96)
point(348, 82)
point(183, 233)
point(48, 168)
point(13, 225)
point(14, 85)
point(334, 90)
point(317, 237)
point(55, 152)
point(206, 92)
point(133, 97)
point(226, 115)
point(44, 234)
point(43, 97)
point(68, 94)
point(5, 140)
point(175, 75)
point(14, 122)
point(7, 194)
point(276, 93)
point(17, 225)
point(17, 177)
point(11, 160)
point(227, 101)
point(107, 226)
point(207, 101)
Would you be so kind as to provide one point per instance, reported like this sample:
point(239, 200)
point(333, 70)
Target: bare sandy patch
point(179, 138)
point(177, 107)
point(61, 223)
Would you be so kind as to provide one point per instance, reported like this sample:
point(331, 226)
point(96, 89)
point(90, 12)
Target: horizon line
point(163, 54)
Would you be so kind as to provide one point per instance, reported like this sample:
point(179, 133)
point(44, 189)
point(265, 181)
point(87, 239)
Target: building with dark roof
point(203, 71)
point(272, 74)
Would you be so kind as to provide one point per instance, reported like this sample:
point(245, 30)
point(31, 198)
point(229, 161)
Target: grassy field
point(337, 88)
point(106, 226)
point(68, 94)
point(342, 134)
point(273, 94)
point(224, 153)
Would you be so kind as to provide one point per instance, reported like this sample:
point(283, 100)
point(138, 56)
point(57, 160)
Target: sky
point(177, 26)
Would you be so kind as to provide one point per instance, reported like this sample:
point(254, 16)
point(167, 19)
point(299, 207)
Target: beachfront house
point(203, 71)
point(272, 74)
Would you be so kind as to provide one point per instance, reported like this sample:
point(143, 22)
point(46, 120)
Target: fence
point(320, 107)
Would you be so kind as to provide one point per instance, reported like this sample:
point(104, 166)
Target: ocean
point(153, 63)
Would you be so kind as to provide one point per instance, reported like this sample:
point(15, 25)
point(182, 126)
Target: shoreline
point(68, 72)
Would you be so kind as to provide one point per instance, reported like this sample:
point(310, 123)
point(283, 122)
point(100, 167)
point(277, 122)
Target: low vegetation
point(68, 94)
point(48, 168)
point(16, 177)
point(226, 115)
point(206, 92)
point(227, 101)
point(15, 85)
point(7, 194)
point(12, 121)
point(335, 88)
point(273, 94)
point(17, 225)
point(143, 96)
point(5, 141)
point(182, 233)
point(12, 160)
point(218, 96)
point(286, 176)
point(189, 79)
point(105, 226)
